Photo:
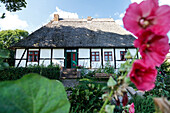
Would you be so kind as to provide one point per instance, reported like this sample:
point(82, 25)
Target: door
point(71, 58)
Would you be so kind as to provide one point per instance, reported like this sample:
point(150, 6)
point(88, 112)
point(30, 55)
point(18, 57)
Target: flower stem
point(106, 101)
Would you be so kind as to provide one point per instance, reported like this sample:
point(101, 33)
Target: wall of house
point(19, 53)
point(84, 57)
point(58, 57)
point(96, 64)
point(44, 57)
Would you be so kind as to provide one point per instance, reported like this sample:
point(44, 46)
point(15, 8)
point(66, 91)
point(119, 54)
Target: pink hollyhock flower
point(153, 48)
point(143, 76)
point(132, 108)
point(147, 15)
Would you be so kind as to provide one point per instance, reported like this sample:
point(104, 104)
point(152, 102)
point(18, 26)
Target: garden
point(139, 85)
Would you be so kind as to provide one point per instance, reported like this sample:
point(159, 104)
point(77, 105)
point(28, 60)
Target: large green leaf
point(33, 94)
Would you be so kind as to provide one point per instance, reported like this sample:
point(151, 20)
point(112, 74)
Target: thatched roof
point(79, 33)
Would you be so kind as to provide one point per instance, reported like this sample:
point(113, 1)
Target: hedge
point(13, 73)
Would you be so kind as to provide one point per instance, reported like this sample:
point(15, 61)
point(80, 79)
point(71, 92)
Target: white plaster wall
point(118, 63)
point(22, 63)
point(111, 62)
point(84, 53)
point(45, 62)
point(58, 53)
point(45, 53)
point(33, 49)
point(117, 51)
point(84, 62)
point(58, 62)
point(19, 53)
point(96, 64)
point(132, 51)
point(32, 63)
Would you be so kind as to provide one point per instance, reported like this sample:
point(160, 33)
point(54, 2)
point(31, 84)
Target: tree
point(13, 5)
point(10, 37)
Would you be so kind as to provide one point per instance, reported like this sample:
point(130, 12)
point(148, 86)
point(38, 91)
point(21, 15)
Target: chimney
point(89, 18)
point(56, 17)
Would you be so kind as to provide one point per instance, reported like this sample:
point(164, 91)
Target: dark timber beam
point(90, 58)
point(114, 58)
point(102, 57)
point(26, 59)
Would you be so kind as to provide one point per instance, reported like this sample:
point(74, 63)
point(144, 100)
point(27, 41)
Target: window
point(108, 56)
point(95, 56)
point(122, 55)
point(33, 56)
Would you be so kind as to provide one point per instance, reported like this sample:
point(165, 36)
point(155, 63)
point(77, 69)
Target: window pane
point(74, 50)
point(68, 50)
point(105, 53)
point(35, 52)
point(30, 56)
point(110, 58)
point(110, 53)
point(121, 52)
point(97, 57)
point(106, 58)
point(97, 53)
point(93, 53)
point(31, 52)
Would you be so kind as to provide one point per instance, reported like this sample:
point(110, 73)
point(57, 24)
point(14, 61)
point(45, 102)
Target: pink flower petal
point(143, 76)
point(130, 20)
point(153, 48)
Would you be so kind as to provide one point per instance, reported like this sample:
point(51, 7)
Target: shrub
point(86, 98)
point(13, 73)
point(143, 104)
point(161, 85)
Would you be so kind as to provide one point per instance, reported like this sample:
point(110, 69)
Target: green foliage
point(10, 37)
point(3, 54)
point(111, 82)
point(160, 88)
point(13, 73)
point(166, 67)
point(13, 5)
point(109, 69)
point(86, 98)
point(33, 94)
point(143, 104)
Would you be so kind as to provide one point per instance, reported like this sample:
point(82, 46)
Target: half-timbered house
point(69, 42)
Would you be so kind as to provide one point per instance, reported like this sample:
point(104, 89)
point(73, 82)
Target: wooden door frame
point(71, 57)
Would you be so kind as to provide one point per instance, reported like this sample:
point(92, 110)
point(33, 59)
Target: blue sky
point(39, 12)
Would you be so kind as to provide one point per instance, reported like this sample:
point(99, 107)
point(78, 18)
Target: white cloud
point(161, 2)
point(137, 1)
point(119, 21)
point(12, 21)
point(120, 15)
point(96, 15)
point(164, 2)
point(64, 14)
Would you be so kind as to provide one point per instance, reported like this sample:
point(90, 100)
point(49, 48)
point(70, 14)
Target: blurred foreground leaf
point(33, 94)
